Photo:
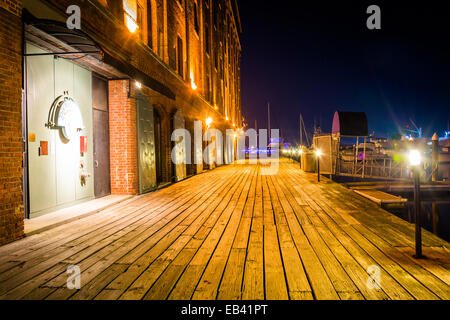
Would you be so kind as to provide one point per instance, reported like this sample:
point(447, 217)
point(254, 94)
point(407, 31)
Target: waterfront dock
point(232, 234)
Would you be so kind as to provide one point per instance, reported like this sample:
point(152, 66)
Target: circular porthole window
point(65, 114)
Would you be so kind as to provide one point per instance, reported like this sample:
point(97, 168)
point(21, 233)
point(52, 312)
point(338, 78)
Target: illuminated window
point(130, 11)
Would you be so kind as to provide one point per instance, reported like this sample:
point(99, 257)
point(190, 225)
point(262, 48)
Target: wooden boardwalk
point(232, 233)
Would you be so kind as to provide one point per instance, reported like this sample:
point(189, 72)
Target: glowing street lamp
point(415, 160)
point(318, 154)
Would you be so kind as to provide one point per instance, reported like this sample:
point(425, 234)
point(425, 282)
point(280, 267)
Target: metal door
point(146, 145)
point(102, 181)
point(179, 148)
point(157, 126)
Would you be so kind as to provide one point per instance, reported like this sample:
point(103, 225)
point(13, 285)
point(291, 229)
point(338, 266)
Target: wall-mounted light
point(138, 85)
point(193, 85)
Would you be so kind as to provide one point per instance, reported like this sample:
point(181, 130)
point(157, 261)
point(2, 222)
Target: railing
point(385, 168)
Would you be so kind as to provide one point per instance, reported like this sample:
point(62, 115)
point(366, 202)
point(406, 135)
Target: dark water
point(435, 212)
point(435, 208)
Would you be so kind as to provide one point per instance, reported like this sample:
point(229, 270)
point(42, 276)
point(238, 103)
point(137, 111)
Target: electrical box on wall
point(83, 144)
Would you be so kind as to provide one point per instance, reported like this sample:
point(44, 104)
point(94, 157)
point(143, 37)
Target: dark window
point(180, 59)
point(149, 24)
point(208, 88)
point(216, 59)
point(215, 13)
point(160, 42)
point(207, 39)
point(196, 22)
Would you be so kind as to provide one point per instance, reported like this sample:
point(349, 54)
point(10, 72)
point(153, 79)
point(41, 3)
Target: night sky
point(316, 57)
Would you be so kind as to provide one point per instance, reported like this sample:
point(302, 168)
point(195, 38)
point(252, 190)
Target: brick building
point(89, 112)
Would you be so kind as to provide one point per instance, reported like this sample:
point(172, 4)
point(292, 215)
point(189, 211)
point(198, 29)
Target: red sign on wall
point(43, 148)
point(83, 144)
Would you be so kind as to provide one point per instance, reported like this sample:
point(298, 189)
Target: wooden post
point(356, 155)
point(435, 158)
point(417, 213)
point(435, 213)
point(318, 168)
point(364, 159)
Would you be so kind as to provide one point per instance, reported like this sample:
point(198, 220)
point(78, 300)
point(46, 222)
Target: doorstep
point(63, 216)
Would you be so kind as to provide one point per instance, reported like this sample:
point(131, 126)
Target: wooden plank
point(208, 285)
point(321, 284)
point(275, 281)
point(67, 253)
point(180, 282)
point(231, 284)
point(145, 280)
point(253, 282)
point(297, 281)
point(232, 233)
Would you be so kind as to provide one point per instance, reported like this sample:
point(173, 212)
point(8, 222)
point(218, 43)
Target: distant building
point(99, 104)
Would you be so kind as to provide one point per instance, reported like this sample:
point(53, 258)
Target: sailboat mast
point(268, 120)
point(301, 130)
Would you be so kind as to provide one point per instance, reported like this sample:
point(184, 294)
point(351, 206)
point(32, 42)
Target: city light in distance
point(415, 158)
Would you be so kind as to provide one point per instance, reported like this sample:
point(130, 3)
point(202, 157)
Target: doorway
point(102, 181)
point(158, 146)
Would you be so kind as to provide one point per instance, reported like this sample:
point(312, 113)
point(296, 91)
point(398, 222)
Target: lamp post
point(415, 159)
point(300, 152)
point(318, 154)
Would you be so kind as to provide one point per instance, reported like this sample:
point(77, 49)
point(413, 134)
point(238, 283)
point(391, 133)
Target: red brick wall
point(11, 202)
point(123, 139)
